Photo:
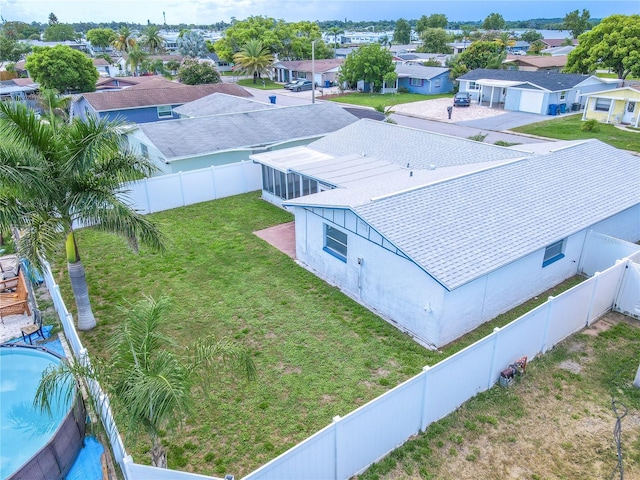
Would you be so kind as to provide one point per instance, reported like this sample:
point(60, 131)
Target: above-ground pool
point(34, 444)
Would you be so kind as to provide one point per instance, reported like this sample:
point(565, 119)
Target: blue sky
point(211, 11)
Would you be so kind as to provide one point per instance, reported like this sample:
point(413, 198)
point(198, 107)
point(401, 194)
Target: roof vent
point(407, 164)
point(363, 154)
point(432, 167)
point(411, 174)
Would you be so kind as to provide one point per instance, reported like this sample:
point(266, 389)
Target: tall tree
point(576, 22)
point(371, 63)
point(192, 44)
point(101, 37)
point(494, 21)
point(477, 55)
point(193, 72)
point(152, 40)
point(254, 59)
point(148, 377)
point(54, 105)
point(335, 31)
point(135, 57)
point(435, 40)
point(63, 69)
point(614, 43)
point(531, 36)
point(59, 32)
point(79, 169)
point(402, 32)
point(124, 40)
point(436, 20)
point(11, 50)
point(53, 20)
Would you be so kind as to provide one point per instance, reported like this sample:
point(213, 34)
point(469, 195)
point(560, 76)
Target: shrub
point(590, 126)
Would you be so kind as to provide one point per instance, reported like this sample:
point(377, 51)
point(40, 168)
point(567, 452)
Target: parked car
point(301, 85)
point(462, 99)
point(292, 82)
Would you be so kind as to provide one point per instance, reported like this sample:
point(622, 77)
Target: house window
point(473, 86)
point(335, 242)
point(554, 252)
point(602, 104)
point(144, 151)
point(631, 106)
point(415, 82)
point(563, 96)
point(165, 111)
point(436, 83)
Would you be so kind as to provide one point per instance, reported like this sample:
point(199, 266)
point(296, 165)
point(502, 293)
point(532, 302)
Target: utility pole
point(313, 71)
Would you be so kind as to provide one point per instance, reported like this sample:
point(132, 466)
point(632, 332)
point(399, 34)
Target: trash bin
point(553, 109)
point(563, 107)
point(327, 83)
point(575, 107)
point(272, 98)
point(449, 112)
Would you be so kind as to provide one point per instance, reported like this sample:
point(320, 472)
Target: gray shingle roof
point(219, 103)
point(464, 228)
point(404, 145)
point(200, 136)
point(419, 71)
point(551, 81)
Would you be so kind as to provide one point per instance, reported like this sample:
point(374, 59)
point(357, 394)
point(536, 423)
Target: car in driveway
point(292, 82)
point(462, 99)
point(301, 85)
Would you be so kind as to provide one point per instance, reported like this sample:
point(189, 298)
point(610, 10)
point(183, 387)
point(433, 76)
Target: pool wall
point(53, 461)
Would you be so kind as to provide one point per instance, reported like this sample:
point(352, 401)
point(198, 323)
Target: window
point(165, 111)
point(473, 86)
point(415, 82)
point(631, 106)
point(436, 83)
point(602, 104)
point(335, 242)
point(144, 150)
point(563, 96)
point(554, 252)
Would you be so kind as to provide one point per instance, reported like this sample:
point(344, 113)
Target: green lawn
point(318, 353)
point(268, 84)
point(568, 128)
point(388, 100)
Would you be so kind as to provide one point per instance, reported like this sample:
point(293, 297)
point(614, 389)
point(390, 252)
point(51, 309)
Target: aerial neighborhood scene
point(319, 240)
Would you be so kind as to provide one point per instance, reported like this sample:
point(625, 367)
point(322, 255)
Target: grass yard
point(555, 422)
point(568, 128)
point(261, 84)
point(318, 353)
point(388, 100)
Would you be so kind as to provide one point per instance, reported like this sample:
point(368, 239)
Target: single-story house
point(219, 104)
point(325, 70)
point(533, 92)
point(194, 143)
point(558, 42)
point(105, 69)
point(620, 105)
point(519, 46)
point(18, 89)
point(417, 78)
point(150, 101)
point(120, 83)
point(534, 63)
point(219, 64)
point(555, 51)
point(439, 234)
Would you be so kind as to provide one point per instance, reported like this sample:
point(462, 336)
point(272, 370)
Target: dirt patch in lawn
point(555, 422)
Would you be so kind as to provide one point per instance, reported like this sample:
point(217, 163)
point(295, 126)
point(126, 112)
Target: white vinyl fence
point(352, 443)
point(175, 190)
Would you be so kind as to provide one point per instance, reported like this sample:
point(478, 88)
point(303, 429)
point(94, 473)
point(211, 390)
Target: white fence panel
point(164, 193)
point(522, 337)
point(568, 313)
point(136, 195)
point(145, 472)
point(628, 297)
point(198, 186)
point(601, 251)
point(313, 459)
point(378, 427)
point(606, 283)
point(461, 376)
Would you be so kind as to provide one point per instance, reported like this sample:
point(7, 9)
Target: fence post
point(490, 380)
point(593, 296)
point(145, 185)
point(423, 413)
point(543, 349)
point(336, 450)
point(213, 182)
point(181, 188)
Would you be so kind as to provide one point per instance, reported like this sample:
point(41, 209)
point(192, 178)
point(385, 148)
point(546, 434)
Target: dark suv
point(462, 99)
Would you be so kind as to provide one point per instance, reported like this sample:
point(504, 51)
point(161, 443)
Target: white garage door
point(531, 102)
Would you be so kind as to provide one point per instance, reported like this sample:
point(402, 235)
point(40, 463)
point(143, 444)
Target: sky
point(211, 11)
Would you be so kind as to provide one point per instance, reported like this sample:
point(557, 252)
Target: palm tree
point(56, 106)
point(253, 59)
point(79, 169)
point(385, 41)
point(124, 40)
point(335, 31)
point(150, 387)
point(152, 40)
point(504, 39)
point(135, 57)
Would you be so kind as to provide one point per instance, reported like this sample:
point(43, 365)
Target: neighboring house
point(617, 106)
point(534, 63)
point(459, 47)
point(519, 46)
point(18, 89)
point(558, 42)
point(555, 51)
point(105, 69)
point(439, 234)
point(194, 143)
point(219, 104)
point(326, 70)
point(531, 92)
point(120, 83)
point(219, 64)
point(419, 58)
point(417, 78)
point(151, 101)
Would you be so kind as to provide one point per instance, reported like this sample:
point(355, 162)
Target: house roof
point(634, 90)
point(558, 42)
point(551, 81)
point(220, 103)
point(100, 62)
point(555, 51)
point(462, 221)
point(538, 61)
point(123, 82)
point(144, 95)
point(319, 66)
point(183, 138)
point(419, 71)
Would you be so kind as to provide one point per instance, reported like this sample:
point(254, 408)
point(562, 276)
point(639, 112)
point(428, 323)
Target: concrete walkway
point(282, 237)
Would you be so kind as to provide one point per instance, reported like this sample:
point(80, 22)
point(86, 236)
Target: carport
point(489, 85)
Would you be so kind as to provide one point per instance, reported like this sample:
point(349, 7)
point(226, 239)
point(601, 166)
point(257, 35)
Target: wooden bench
point(17, 301)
